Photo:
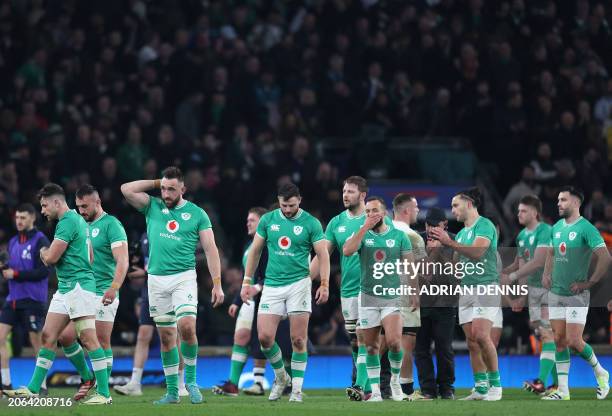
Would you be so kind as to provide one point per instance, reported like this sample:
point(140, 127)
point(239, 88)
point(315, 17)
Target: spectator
point(526, 186)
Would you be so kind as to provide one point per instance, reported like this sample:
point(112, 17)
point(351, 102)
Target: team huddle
point(288, 251)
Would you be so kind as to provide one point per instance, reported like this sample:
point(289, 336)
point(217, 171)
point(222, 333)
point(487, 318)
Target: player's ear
point(183, 189)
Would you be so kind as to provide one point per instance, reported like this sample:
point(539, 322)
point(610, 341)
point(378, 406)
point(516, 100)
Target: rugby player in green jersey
point(174, 228)
point(380, 244)
point(574, 241)
point(110, 254)
point(475, 248)
point(289, 233)
point(532, 245)
point(75, 300)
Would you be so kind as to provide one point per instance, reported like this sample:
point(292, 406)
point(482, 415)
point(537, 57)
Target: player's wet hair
point(86, 190)
point(51, 189)
point(26, 207)
point(402, 198)
point(376, 198)
point(172, 172)
point(259, 211)
point(361, 183)
point(288, 191)
point(472, 194)
point(532, 201)
point(574, 192)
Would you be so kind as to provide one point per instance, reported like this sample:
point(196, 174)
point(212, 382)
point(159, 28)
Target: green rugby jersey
point(289, 241)
point(74, 266)
point(484, 270)
point(106, 232)
point(526, 243)
point(386, 247)
point(573, 245)
point(173, 235)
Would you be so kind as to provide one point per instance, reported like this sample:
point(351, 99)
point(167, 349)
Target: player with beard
point(574, 241)
point(75, 300)
point(110, 253)
point(289, 234)
point(174, 227)
point(339, 229)
point(380, 244)
point(532, 246)
point(476, 247)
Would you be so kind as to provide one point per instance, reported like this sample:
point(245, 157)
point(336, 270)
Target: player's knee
point(266, 340)
point(574, 342)
point(242, 337)
point(560, 340)
point(187, 331)
point(48, 340)
point(372, 349)
point(298, 343)
point(394, 344)
point(144, 336)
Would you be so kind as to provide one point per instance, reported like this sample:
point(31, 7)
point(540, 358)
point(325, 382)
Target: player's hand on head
point(370, 222)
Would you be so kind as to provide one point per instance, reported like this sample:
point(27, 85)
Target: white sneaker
point(129, 389)
point(296, 396)
point(495, 394)
point(558, 395)
point(183, 392)
point(397, 395)
point(375, 397)
point(474, 395)
point(603, 385)
point(279, 385)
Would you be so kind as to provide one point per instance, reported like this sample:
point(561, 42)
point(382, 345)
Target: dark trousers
point(437, 325)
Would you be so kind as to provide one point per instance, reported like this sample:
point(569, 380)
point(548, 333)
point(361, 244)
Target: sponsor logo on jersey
point(380, 256)
point(390, 243)
point(369, 242)
point(572, 235)
point(26, 254)
point(165, 211)
point(284, 242)
point(186, 216)
point(95, 232)
point(470, 234)
point(562, 248)
point(342, 229)
point(521, 243)
point(275, 227)
point(297, 230)
point(172, 226)
point(531, 240)
point(526, 253)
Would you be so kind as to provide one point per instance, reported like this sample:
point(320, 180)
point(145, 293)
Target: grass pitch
point(326, 402)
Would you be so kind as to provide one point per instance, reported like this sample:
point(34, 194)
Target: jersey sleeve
point(65, 230)
point(544, 237)
point(593, 238)
point(486, 230)
point(329, 232)
point(405, 244)
point(116, 233)
point(204, 223)
point(316, 231)
point(262, 227)
point(145, 210)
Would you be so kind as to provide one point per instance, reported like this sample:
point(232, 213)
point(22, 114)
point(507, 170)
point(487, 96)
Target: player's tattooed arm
point(314, 264)
point(602, 265)
point(136, 194)
point(51, 255)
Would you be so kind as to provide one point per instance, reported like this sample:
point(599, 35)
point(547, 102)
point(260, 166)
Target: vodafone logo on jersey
point(562, 248)
point(284, 242)
point(526, 253)
point(380, 256)
point(172, 226)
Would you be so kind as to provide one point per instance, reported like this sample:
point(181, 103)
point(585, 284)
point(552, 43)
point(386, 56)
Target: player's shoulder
point(558, 225)
point(265, 218)
point(586, 225)
point(308, 217)
point(484, 222)
point(545, 228)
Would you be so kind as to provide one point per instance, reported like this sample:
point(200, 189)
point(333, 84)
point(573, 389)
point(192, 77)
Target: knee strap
point(84, 324)
point(165, 320)
point(186, 310)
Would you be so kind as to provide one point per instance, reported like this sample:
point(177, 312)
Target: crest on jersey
point(390, 243)
point(297, 230)
point(165, 211)
point(342, 229)
point(172, 226)
point(521, 243)
point(562, 248)
point(470, 234)
point(572, 235)
point(459, 239)
point(275, 227)
point(284, 242)
point(380, 256)
point(531, 239)
point(186, 216)
point(557, 235)
point(95, 232)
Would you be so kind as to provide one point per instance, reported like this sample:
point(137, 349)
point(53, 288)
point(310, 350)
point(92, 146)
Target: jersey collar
point(354, 217)
point(99, 218)
point(298, 215)
point(566, 224)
